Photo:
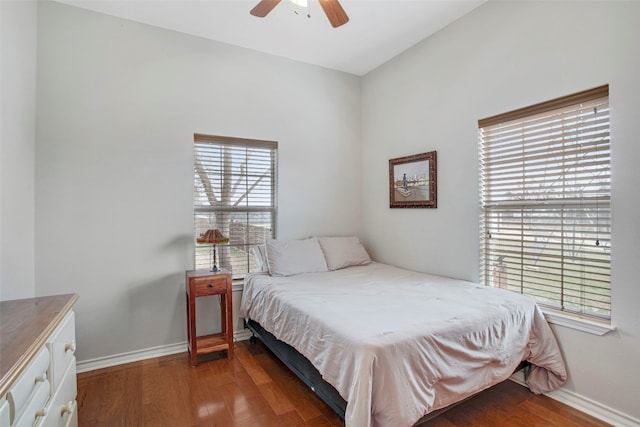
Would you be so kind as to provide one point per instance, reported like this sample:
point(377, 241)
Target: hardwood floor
point(255, 389)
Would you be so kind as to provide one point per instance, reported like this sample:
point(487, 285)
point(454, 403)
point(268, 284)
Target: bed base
point(300, 366)
point(309, 375)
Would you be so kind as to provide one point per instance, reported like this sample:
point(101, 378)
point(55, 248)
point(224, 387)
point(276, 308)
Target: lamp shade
point(212, 237)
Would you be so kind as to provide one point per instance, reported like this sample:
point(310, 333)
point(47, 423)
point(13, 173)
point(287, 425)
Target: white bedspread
point(397, 344)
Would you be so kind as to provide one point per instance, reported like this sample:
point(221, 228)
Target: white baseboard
point(586, 405)
point(242, 335)
point(147, 353)
point(128, 357)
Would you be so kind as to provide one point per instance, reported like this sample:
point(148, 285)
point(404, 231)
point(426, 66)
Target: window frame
point(216, 170)
point(488, 265)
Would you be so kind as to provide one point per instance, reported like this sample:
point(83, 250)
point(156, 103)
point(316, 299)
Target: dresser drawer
point(209, 286)
point(4, 412)
point(35, 374)
point(71, 417)
point(63, 403)
point(35, 407)
point(62, 346)
point(68, 416)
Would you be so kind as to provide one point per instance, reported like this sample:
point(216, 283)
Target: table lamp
point(213, 237)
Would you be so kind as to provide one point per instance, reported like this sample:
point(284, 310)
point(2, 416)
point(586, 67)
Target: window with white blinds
point(545, 226)
point(234, 192)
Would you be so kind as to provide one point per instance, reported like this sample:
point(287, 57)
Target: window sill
point(577, 323)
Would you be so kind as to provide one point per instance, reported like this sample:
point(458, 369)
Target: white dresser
point(37, 362)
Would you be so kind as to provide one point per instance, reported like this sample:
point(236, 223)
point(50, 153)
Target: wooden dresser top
point(25, 325)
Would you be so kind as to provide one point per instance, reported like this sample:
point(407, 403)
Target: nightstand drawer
point(209, 286)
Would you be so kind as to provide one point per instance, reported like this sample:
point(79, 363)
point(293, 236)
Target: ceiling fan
point(332, 9)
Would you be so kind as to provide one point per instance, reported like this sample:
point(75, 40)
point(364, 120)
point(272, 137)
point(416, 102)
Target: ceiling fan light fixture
point(300, 7)
point(332, 8)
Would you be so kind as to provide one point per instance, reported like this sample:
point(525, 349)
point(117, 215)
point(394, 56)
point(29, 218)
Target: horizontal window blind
point(545, 202)
point(234, 192)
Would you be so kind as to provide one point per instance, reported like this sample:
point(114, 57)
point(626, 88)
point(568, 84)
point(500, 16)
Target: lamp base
point(215, 267)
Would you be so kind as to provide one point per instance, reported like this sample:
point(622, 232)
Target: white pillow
point(260, 257)
point(341, 252)
point(289, 257)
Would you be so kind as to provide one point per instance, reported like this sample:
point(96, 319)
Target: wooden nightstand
point(202, 283)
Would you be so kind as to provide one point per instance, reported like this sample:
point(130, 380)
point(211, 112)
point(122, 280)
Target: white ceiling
point(377, 30)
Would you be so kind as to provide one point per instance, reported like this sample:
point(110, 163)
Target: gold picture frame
point(413, 181)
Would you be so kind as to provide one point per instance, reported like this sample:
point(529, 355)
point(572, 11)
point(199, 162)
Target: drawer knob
point(211, 285)
point(41, 412)
point(67, 409)
point(41, 378)
point(70, 346)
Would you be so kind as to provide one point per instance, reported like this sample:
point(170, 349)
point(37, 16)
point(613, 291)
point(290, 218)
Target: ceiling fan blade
point(334, 11)
point(264, 7)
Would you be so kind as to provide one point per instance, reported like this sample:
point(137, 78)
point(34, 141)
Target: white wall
point(18, 21)
point(118, 104)
point(502, 56)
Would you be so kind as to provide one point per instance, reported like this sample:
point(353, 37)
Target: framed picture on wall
point(413, 181)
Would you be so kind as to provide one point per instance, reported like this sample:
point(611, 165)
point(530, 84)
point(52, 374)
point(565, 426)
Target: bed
point(397, 344)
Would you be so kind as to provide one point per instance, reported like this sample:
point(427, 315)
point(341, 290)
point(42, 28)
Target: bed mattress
point(398, 344)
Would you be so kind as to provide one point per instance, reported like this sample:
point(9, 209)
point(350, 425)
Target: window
point(234, 192)
point(545, 203)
